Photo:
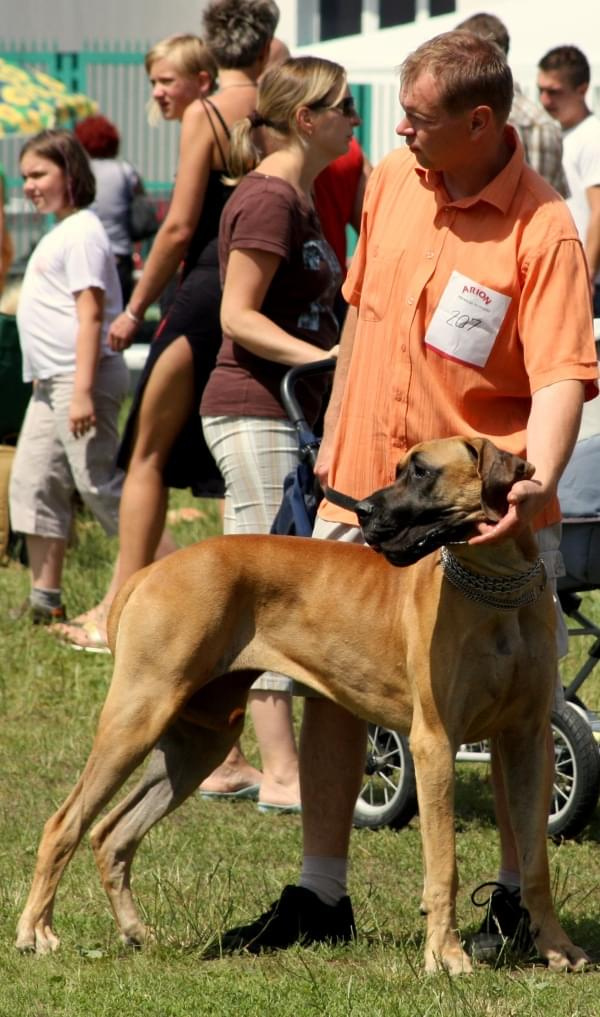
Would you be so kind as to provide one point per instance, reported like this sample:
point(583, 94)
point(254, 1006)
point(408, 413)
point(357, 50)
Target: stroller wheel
point(389, 793)
point(576, 773)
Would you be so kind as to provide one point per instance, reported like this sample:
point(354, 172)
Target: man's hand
point(525, 500)
point(122, 332)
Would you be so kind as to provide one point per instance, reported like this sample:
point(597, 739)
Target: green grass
point(211, 864)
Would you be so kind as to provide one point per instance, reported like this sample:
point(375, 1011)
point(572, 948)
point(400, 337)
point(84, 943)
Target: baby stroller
point(388, 796)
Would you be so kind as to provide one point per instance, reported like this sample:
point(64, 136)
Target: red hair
point(99, 137)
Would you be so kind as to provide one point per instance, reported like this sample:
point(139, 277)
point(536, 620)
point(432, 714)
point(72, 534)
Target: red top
point(334, 193)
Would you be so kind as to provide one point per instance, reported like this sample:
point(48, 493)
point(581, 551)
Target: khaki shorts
point(50, 464)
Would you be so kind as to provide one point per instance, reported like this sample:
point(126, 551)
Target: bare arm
point(248, 277)
point(323, 463)
point(89, 305)
point(173, 238)
point(551, 435)
point(592, 240)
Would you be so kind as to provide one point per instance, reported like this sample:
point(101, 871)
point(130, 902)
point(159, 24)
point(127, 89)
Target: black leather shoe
point(506, 923)
point(299, 916)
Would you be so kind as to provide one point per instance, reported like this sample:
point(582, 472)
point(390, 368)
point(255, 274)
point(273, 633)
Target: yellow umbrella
point(31, 100)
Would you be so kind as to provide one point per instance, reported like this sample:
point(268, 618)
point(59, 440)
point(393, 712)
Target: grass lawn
point(212, 864)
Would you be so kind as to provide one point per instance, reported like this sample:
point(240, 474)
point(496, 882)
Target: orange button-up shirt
point(516, 244)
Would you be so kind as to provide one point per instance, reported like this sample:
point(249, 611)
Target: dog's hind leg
point(130, 724)
point(528, 795)
point(182, 758)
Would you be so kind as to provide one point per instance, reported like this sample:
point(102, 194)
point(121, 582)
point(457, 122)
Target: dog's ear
point(498, 471)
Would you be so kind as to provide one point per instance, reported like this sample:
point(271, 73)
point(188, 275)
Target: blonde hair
point(188, 56)
point(282, 90)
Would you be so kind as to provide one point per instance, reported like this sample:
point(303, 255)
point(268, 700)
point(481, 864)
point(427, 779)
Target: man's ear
point(481, 118)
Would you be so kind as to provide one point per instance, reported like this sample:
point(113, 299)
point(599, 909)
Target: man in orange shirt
point(470, 314)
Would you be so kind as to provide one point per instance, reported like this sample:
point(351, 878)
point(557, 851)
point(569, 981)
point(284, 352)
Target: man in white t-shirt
point(563, 81)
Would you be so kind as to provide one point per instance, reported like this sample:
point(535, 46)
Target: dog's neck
point(512, 556)
point(501, 576)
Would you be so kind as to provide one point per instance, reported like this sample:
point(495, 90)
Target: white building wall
point(71, 23)
point(535, 26)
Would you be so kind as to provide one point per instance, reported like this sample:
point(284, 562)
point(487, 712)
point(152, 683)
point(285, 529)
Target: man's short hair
point(237, 31)
point(470, 70)
point(571, 61)
point(488, 26)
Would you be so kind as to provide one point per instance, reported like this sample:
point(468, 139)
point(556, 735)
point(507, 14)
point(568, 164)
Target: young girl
point(69, 438)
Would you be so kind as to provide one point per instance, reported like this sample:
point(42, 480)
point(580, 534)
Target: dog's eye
point(420, 471)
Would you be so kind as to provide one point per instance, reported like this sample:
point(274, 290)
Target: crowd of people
point(268, 176)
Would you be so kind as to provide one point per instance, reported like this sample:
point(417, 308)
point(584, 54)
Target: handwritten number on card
point(463, 321)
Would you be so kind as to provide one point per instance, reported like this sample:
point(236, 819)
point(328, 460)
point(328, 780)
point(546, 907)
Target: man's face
point(438, 139)
point(560, 99)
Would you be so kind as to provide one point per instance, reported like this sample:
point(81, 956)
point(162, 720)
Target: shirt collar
point(499, 192)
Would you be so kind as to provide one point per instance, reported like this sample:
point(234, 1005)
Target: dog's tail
point(119, 603)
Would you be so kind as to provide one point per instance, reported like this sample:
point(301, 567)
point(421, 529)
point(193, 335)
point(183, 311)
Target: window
point(441, 7)
point(340, 17)
point(396, 12)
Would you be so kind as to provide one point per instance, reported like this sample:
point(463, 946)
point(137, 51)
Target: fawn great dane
point(456, 646)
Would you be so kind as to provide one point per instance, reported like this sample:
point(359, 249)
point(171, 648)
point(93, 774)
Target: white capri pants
point(50, 464)
point(254, 456)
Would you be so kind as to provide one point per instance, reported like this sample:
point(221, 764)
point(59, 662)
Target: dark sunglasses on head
point(345, 106)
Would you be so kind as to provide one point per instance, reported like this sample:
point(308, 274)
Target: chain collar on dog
point(503, 592)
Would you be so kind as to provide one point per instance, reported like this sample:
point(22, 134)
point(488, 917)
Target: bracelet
point(132, 317)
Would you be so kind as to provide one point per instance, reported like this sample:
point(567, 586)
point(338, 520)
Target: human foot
point(231, 780)
point(88, 636)
point(278, 794)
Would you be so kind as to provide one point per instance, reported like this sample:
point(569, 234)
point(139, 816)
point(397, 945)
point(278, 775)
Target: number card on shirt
point(467, 320)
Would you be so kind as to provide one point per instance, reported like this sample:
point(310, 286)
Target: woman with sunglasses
point(280, 281)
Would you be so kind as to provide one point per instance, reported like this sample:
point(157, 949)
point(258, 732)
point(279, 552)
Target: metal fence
point(116, 79)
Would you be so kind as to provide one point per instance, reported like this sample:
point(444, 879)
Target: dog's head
point(443, 489)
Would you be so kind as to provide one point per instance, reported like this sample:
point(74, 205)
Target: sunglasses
point(345, 106)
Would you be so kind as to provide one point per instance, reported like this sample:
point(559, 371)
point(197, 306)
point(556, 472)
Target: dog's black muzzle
point(405, 535)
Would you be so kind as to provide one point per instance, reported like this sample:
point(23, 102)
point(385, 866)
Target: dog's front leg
point(528, 794)
point(434, 768)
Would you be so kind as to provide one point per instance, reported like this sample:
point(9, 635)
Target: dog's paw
point(38, 939)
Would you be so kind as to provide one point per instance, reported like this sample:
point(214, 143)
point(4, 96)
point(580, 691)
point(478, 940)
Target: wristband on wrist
point(132, 317)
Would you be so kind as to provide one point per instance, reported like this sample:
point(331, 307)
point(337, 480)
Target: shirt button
point(410, 300)
point(429, 254)
point(403, 348)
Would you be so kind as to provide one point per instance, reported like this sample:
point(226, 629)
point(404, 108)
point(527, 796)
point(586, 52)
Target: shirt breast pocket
point(379, 282)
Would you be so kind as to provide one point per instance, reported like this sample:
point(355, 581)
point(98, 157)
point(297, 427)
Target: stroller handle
point(288, 389)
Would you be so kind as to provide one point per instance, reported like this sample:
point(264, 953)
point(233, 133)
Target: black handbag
point(143, 220)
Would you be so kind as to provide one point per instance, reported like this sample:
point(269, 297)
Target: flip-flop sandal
point(86, 636)
point(250, 791)
point(269, 809)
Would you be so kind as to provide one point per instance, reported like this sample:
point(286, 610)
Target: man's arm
point(337, 392)
point(551, 435)
point(592, 240)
